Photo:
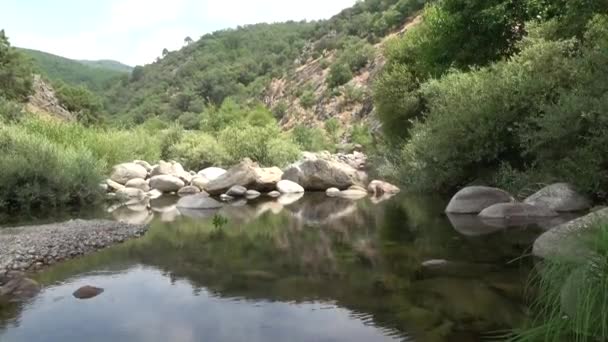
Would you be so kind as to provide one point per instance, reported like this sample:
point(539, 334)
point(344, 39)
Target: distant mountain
point(97, 77)
point(107, 64)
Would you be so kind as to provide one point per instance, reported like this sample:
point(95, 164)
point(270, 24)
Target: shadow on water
point(298, 269)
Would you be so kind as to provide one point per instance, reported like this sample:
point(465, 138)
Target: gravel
point(32, 248)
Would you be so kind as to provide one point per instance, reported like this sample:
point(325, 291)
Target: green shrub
point(10, 111)
point(307, 99)
point(280, 109)
point(79, 100)
point(339, 74)
point(310, 139)
point(282, 151)
point(197, 150)
point(361, 134)
point(353, 94)
point(333, 127)
point(189, 121)
point(38, 173)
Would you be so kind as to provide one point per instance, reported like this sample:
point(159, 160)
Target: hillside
point(107, 64)
point(243, 63)
point(74, 73)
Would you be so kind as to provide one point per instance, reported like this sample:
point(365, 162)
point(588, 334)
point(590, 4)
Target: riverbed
point(299, 269)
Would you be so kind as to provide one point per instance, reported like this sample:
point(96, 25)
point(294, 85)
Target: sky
point(136, 31)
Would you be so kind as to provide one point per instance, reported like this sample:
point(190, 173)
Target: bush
point(197, 150)
point(307, 99)
point(361, 134)
point(280, 109)
point(333, 129)
point(339, 74)
point(189, 121)
point(310, 139)
point(38, 173)
point(10, 111)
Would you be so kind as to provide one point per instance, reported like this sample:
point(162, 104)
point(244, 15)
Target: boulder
point(154, 194)
point(130, 194)
point(379, 188)
point(138, 183)
point(199, 182)
point(166, 183)
point(162, 168)
point(226, 198)
point(143, 164)
point(179, 172)
point(516, 211)
point(18, 287)
point(114, 186)
point(198, 201)
point(87, 292)
point(289, 187)
point(561, 197)
point(241, 174)
point(318, 172)
point(569, 241)
point(252, 194)
point(188, 190)
point(266, 179)
point(332, 192)
point(474, 199)
point(212, 173)
point(236, 191)
point(123, 173)
point(274, 194)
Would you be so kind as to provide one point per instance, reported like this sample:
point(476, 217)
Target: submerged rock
point(474, 199)
point(198, 201)
point(87, 292)
point(561, 197)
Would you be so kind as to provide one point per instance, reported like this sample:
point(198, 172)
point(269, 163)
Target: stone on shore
point(114, 186)
point(252, 194)
point(318, 172)
point(188, 190)
point(199, 182)
point(474, 199)
point(289, 187)
point(212, 173)
point(332, 192)
point(246, 174)
point(166, 183)
point(138, 183)
point(236, 191)
point(516, 211)
point(561, 197)
point(123, 173)
point(143, 164)
point(379, 188)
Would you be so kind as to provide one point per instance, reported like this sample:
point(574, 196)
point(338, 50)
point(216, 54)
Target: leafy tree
point(15, 72)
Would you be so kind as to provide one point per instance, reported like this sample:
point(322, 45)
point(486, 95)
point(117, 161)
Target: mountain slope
point(73, 72)
point(242, 63)
point(107, 64)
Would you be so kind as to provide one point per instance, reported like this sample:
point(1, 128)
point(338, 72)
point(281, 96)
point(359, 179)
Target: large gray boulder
point(200, 201)
point(166, 183)
point(171, 169)
point(318, 172)
point(474, 199)
point(570, 240)
point(246, 174)
point(123, 173)
point(289, 187)
point(236, 191)
point(561, 197)
point(515, 211)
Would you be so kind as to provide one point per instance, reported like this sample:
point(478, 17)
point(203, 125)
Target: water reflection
point(311, 268)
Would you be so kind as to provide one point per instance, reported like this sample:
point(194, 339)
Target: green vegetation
point(521, 98)
point(95, 76)
point(15, 72)
point(571, 297)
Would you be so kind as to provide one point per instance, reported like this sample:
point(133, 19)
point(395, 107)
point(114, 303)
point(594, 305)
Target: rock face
point(289, 187)
point(474, 199)
point(198, 201)
point(516, 210)
point(212, 173)
point(318, 172)
point(166, 183)
point(138, 183)
point(379, 188)
point(123, 173)
point(569, 241)
point(561, 197)
point(87, 292)
point(31, 247)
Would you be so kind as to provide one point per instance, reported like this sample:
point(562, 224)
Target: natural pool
point(317, 269)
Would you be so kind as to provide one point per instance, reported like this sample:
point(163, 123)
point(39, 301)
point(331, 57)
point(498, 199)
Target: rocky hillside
point(43, 101)
point(349, 104)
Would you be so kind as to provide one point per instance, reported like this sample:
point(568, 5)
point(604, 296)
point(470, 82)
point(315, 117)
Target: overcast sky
point(136, 31)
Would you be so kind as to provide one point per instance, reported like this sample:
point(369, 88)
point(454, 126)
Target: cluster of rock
point(498, 208)
point(340, 175)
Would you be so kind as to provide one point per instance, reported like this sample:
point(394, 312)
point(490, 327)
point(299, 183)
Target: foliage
point(572, 302)
point(197, 151)
point(280, 109)
point(339, 74)
point(310, 138)
point(361, 134)
point(15, 72)
point(333, 127)
point(79, 100)
point(10, 111)
point(353, 94)
point(38, 173)
point(307, 99)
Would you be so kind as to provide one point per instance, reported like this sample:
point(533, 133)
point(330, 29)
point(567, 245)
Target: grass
point(571, 297)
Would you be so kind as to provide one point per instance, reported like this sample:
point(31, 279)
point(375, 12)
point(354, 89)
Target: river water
point(307, 269)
